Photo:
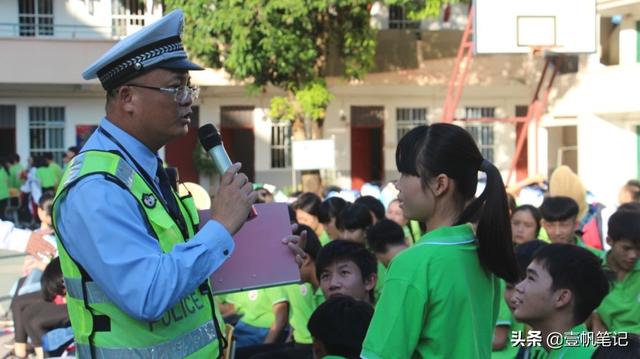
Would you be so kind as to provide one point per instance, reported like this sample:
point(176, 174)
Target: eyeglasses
point(181, 94)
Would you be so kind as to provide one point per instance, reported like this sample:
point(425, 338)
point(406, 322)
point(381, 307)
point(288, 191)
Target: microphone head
point(209, 136)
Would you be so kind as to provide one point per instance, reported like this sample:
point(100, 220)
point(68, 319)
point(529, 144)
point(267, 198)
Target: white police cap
point(157, 45)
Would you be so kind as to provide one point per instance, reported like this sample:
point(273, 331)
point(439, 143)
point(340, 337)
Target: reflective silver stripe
point(95, 295)
point(179, 347)
point(74, 169)
point(125, 173)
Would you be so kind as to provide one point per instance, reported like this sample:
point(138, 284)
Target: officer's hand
point(37, 245)
point(295, 244)
point(232, 202)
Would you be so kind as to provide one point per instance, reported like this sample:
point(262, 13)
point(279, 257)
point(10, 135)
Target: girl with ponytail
point(441, 296)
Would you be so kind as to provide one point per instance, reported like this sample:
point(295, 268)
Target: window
point(7, 129)
point(127, 16)
point(398, 18)
point(280, 144)
point(46, 131)
point(481, 132)
point(35, 17)
point(408, 118)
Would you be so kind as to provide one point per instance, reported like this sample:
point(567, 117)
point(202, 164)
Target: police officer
point(135, 269)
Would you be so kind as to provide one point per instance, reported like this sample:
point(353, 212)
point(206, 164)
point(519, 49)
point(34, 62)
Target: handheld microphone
point(212, 143)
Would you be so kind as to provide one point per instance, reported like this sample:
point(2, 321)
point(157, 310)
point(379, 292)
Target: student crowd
point(438, 271)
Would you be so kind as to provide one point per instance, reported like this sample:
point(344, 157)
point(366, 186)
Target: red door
point(239, 144)
point(366, 145)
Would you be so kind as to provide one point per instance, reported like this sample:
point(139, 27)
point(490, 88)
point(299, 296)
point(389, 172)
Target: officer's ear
point(124, 97)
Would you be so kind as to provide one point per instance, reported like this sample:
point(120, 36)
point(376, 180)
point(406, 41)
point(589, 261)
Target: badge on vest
point(149, 200)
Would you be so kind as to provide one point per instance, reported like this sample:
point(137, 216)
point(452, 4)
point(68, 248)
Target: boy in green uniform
point(4, 188)
point(507, 326)
point(338, 327)
point(386, 239)
point(347, 268)
point(564, 284)
point(560, 220)
point(330, 209)
point(303, 299)
point(264, 316)
point(620, 309)
point(55, 168)
point(15, 170)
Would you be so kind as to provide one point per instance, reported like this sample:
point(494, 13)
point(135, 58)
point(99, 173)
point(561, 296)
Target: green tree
point(284, 43)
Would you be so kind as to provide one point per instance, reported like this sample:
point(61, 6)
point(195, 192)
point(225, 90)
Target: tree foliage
point(285, 43)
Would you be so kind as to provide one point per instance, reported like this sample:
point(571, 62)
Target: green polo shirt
point(46, 176)
point(573, 351)
point(381, 277)
point(56, 170)
point(256, 306)
point(14, 176)
point(620, 309)
point(324, 238)
point(580, 243)
point(4, 183)
point(303, 301)
point(437, 302)
point(505, 318)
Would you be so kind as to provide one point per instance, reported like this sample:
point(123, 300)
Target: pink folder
point(259, 259)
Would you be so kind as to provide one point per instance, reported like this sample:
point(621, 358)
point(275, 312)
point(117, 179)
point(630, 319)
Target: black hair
point(578, 270)
point(631, 350)
point(343, 250)
point(525, 253)
point(312, 245)
point(558, 208)
point(629, 207)
point(48, 155)
point(52, 282)
point(633, 187)
point(427, 151)
point(46, 202)
point(511, 200)
point(331, 208)
point(341, 324)
point(354, 216)
point(292, 215)
point(383, 234)
point(39, 161)
point(625, 225)
point(14, 158)
point(308, 202)
point(74, 149)
point(535, 213)
point(264, 195)
point(375, 206)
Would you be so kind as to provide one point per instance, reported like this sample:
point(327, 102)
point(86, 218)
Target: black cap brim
point(179, 64)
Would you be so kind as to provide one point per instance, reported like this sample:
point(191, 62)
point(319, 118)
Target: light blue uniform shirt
point(104, 230)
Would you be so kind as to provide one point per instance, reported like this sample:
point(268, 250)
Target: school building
point(592, 124)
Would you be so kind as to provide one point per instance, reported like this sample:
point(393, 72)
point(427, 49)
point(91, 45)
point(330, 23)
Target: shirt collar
point(447, 236)
point(141, 153)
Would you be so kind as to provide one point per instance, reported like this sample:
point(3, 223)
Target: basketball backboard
point(520, 26)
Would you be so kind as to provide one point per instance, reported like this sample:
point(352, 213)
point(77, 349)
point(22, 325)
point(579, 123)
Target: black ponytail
point(427, 151)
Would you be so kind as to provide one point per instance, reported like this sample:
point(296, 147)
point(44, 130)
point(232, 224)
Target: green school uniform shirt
point(382, 275)
point(437, 302)
point(324, 238)
point(620, 309)
point(14, 176)
point(4, 183)
point(303, 301)
point(46, 176)
point(577, 351)
point(505, 318)
point(256, 306)
point(56, 170)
